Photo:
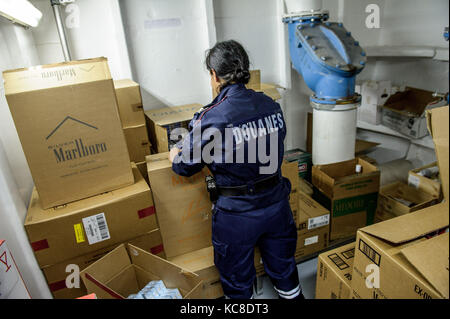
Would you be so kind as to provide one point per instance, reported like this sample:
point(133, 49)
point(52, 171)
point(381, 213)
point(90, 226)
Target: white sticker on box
point(413, 181)
point(96, 228)
point(317, 222)
point(311, 240)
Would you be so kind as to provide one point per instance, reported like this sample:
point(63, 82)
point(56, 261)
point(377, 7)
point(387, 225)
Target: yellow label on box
point(79, 234)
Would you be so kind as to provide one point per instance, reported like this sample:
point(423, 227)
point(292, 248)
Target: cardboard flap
point(170, 115)
point(56, 75)
point(411, 226)
point(430, 258)
point(362, 146)
point(117, 260)
point(437, 120)
point(172, 275)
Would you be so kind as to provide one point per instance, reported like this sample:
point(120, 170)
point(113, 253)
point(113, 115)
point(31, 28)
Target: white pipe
point(334, 135)
point(294, 6)
point(61, 32)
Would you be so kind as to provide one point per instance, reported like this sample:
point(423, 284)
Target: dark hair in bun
point(230, 61)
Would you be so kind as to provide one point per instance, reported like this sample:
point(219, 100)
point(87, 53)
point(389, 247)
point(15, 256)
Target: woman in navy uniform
point(251, 201)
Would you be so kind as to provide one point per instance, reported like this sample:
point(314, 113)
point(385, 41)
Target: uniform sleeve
point(189, 161)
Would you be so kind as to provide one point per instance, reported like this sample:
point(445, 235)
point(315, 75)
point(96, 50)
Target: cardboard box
point(183, 207)
point(373, 95)
point(289, 170)
point(129, 101)
point(160, 123)
point(68, 123)
point(201, 262)
point(306, 187)
point(350, 197)
point(410, 252)
point(12, 285)
point(437, 122)
point(127, 269)
point(313, 224)
point(311, 214)
point(56, 275)
point(256, 85)
point(267, 88)
point(334, 273)
point(304, 161)
point(142, 167)
point(404, 111)
point(137, 143)
point(430, 186)
point(398, 199)
point(91, 224)
point(312, 242)
point(411, 260)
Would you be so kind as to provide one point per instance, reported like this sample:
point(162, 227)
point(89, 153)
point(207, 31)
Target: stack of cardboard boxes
point(88, 196)
point(405, 257)
point(129, 102)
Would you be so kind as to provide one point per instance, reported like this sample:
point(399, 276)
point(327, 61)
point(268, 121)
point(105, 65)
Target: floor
point(307, 274)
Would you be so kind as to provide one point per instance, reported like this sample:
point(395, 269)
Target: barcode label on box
point(311, 240)
point(317, 222)
point(413, 181)
point(96, 228)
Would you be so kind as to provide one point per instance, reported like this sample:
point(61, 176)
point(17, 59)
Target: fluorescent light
point(21, 12)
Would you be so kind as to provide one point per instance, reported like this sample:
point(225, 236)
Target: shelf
point(426, 141)
point(408, 51)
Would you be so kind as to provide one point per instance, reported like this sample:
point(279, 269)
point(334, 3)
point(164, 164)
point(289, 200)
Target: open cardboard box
point(351, 198)
point(423, 183)
point(393, 199)
point(128, 269)
point(404, 111)
point(410, 252)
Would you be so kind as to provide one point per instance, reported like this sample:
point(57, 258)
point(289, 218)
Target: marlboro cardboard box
point(127, 269)
point(182, 205)
point(67, 120)
point(11, 282)
point(129, 101)
point(137, 143)
point(62, 278)
point(90, 224)
point(334, 273)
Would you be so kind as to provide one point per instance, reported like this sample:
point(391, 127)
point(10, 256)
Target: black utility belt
point(243, 190)
point(249, 189)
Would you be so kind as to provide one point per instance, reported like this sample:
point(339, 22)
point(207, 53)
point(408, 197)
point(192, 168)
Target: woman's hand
point(173, 152)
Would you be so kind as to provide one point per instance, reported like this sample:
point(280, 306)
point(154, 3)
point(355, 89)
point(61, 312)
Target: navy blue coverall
point(240, 223)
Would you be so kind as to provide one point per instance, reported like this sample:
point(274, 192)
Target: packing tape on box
point(57, 285)
point(146, 212)
point(103, 287)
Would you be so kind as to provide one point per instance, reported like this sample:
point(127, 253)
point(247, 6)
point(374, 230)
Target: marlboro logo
point(59, 74)
point(76, 148)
